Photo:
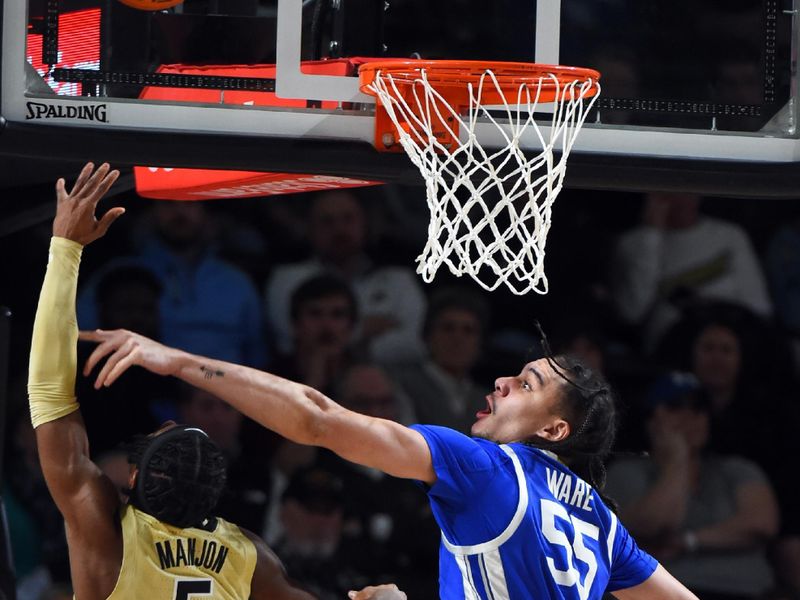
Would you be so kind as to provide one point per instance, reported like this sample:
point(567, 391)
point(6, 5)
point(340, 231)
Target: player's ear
point(132, 476)
point(555, 431)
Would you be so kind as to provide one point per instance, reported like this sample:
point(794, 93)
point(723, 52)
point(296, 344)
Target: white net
point(490, 207)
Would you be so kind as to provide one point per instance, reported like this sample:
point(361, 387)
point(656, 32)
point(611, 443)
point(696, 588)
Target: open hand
point(75, 219)
point(125, 349)
point(378, 592)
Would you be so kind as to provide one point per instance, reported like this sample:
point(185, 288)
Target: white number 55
point(575, 549)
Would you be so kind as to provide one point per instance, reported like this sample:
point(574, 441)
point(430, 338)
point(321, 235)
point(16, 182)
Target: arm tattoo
point(210, 373)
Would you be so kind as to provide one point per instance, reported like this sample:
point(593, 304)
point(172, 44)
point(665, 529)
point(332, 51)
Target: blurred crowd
point(689, 305)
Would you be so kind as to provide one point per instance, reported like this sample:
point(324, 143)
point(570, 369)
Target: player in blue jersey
point(520, 513)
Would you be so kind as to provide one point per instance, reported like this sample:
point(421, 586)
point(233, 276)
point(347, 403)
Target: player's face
point(522, 406)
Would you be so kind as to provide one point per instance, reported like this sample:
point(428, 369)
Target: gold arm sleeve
point(54, 352)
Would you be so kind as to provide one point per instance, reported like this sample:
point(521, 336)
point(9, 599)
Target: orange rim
point(448, 75)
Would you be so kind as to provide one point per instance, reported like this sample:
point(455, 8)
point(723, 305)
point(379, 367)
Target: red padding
point(206, 184)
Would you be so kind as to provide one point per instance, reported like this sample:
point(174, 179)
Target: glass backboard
point(707, 89)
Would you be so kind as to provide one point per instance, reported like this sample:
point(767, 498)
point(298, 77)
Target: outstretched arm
point(85, 498)
point(295, 411)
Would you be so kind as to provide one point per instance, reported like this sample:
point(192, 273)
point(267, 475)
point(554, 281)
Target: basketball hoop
point(490, 206)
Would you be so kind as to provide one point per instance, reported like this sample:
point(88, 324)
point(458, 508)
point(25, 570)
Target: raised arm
point(86, 499)
point(295, 411)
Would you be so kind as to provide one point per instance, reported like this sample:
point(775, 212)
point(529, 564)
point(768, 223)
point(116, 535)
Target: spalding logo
point(83, 112)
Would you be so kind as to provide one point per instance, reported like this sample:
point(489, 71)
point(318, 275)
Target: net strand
point(491, 208)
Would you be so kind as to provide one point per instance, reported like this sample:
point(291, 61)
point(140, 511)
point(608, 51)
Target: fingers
point(90, 189)
point(107, 346)
point(79, 183)
point(104, 185)
point(123, 365)
point(97, 335)
point(90, 185)
point(61, 190)
point(389, 590)
point(107, 219)
point(97, 355)
point(108, 367)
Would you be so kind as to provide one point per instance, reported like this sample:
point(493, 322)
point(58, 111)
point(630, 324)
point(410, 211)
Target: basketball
point(151, 4)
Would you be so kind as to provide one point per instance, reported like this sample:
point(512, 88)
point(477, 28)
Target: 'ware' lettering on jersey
point(517, 524)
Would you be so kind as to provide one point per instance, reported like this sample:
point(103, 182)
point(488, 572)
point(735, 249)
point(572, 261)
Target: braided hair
point(181, 476)
point(589, 406)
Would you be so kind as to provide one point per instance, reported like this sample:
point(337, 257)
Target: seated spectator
point(585, 337)
point(390, 299)
point(125, 295)
point(197, 283)
point(286, 459)
point(707, 517)
point(247, 488)
point(394, 535)
point(312, 516)
point(323, 314)
point(441, 386)
point(782, 262)
point(678, 255)
point(368, 389)
point(742, 365)
point(178, 248)
point(36, 529)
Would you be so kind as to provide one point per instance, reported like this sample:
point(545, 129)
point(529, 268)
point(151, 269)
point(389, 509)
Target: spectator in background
point(287, 459)
point(677, 256)
point(741, 363)
point(584, 336)
point(312, 516)
point(396, 536)
point(246, 492)
point(323, 315)
point(706, 517)
point(390, 299)
point(782, 263)
point(36, 529)
point(441, 386)
point(368, 389)
point(177, 246)
point(125, 295)
point(208, 306)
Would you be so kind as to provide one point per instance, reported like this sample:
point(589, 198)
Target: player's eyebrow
point(538, 375)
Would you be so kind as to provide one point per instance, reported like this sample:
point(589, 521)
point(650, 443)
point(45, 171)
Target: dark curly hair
point(181, 476)
point(589, 405)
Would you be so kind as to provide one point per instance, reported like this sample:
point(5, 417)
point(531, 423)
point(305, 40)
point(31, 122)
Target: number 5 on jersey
point(190, 589)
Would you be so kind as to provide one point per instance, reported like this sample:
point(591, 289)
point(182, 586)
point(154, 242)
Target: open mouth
point(486, 411)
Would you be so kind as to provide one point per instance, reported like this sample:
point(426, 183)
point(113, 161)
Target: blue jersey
point(517, 524)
